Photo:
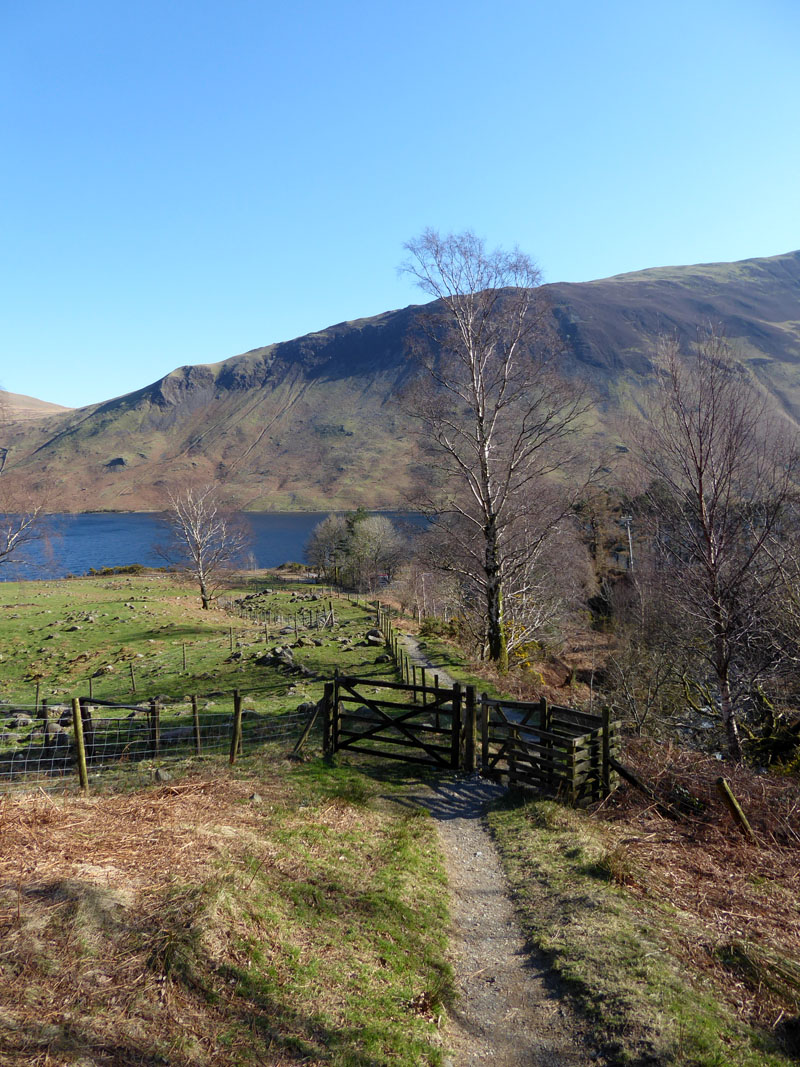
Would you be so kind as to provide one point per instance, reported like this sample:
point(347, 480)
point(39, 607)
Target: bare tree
point(20, 525)
point(494, 414)
point(206, 538)
point(722, 471)
point(20, 513)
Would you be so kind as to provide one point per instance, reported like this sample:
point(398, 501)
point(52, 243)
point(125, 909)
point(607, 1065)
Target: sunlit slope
point(316, 422)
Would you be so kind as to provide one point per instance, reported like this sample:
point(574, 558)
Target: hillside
point(17, 406)
point(315, 422)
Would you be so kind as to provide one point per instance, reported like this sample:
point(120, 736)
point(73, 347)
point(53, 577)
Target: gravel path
point(509, 1012)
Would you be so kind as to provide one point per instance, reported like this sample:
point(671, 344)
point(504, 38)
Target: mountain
point(17, 406)
point(315, 423)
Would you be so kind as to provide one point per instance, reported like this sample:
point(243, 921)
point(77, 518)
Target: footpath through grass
point(680, 942)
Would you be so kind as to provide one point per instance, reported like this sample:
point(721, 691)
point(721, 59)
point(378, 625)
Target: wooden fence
point(555, 750)
point(560, 752)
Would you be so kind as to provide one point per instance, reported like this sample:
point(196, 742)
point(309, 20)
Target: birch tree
point(206, 539)
point(494, 414)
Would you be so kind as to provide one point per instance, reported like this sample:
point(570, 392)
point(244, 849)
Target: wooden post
point(183, 646)
point(91, 694)
point(546, 723)
point(327, 700)
point(236, 727)
point(133, 678)
point(484, 733)
point(88, 730)
point(198, 748)
point(424, 687)
point(455, 737)
point(36, 700)
point(414, 683)
point(335, 724)
point(77, 723)
point(513, 739)
point(230, 637)
point(572, 769)
point(155, 727)
point(606, 766)
point(735, 808)
point(311, 720)
point(469, 727)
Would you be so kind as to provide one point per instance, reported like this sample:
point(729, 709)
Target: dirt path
point(509, 1011)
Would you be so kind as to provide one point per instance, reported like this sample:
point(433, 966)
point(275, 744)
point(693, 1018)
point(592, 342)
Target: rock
point(385, 658)
point(256, 798)
point(162, 776)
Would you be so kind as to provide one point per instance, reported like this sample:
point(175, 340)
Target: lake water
point(74, 543)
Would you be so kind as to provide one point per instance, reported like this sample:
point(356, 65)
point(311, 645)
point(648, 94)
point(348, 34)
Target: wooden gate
point(414, 723)
point(555, 750)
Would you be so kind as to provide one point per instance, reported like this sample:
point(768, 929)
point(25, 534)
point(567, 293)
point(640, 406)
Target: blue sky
point(184, 181)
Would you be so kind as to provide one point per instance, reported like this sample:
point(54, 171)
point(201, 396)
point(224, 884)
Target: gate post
point(327, 704)
point(455, 736)
point(469, 729)
point(605, 769)
point(484, 733)
point(335, 713)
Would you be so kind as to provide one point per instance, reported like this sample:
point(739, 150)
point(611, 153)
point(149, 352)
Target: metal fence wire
point(38, 745)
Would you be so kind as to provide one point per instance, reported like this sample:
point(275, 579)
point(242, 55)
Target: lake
point(74, 543)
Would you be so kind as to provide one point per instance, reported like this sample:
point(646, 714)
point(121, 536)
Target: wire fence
point(39, 747)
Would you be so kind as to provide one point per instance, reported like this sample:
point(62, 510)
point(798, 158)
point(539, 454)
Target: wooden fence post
point(236, 727)
point(606, 761)
point(196, 720)
point(335, 724)
point(155, 727)
point(546, 724)
point(88, 730)
point(513, 742)
point(77, 722)
point(484, 733)
point(572, 770)
point(469, 738)
point(455, 737)
point(133, 678)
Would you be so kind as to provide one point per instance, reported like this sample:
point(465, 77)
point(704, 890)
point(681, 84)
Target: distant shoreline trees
point(357, 550)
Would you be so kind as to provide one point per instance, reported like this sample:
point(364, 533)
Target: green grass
point(613, 950)
point(60, 634)
point(129, 639)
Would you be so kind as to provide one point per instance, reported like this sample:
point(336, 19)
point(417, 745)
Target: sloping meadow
point(276, 914)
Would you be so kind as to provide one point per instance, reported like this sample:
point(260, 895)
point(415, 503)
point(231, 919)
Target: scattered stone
point(162, 776)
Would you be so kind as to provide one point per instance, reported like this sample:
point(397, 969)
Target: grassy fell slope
point(316, 422)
